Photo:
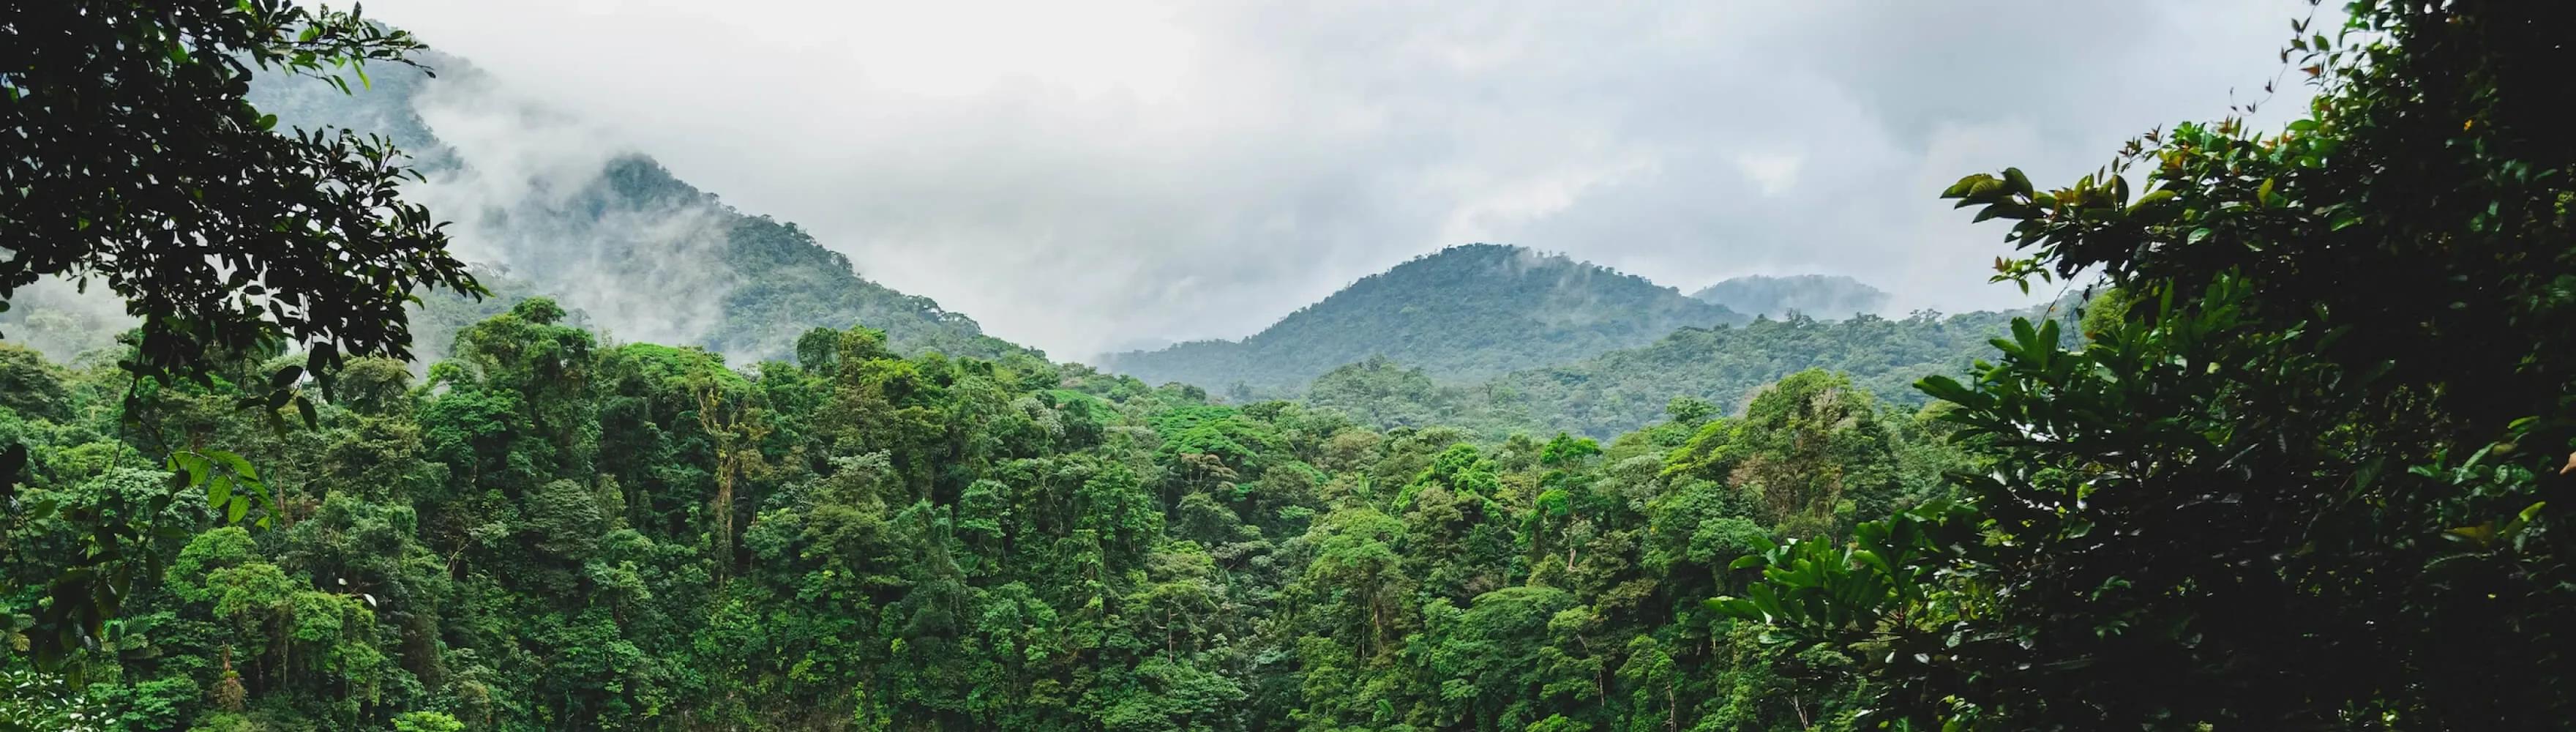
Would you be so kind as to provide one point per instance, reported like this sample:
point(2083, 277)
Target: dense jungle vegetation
point(545, 533)
point(2298, 462)
point(1617, 391)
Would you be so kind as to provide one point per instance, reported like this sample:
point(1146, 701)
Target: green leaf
point(2018, 182)
point(1966, 184)
point(1873, 560)
point(1767, 602)
point(1946, 389)
point(192, 465)
point(285, 377)
point(2026, 337)
point(239, 465)
point(2152, 198)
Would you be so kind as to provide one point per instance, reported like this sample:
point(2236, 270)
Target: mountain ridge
point(1830, 297)
point(1618, 390)
point(609, 231)
point(1465, 312)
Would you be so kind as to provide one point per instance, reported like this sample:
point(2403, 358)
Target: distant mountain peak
point(609, 231)
point(1464, 312)
point(1828, 297)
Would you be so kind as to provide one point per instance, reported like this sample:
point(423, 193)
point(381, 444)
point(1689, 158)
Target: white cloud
point(1773, 172)
point(1080, 175)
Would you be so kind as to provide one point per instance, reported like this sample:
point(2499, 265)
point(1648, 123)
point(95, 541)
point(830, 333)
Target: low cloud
point(66, 319)
point(1084, 176)
point(524, 184)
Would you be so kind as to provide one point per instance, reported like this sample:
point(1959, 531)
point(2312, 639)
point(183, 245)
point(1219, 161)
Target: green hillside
point(612, 233)
point(1462, 314)
point(1617, 391)
point(1820, 296)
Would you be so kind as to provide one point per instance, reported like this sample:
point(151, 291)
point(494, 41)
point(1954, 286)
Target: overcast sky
point(1088, 175)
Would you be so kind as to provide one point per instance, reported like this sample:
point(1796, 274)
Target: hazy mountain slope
point(1621, 390)
point(1464, 313)
point(1822, 296)
point(608, 231)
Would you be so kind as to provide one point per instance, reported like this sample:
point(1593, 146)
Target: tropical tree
point(2304, 478)
point(133, 159)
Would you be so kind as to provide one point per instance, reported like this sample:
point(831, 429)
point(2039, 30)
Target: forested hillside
point(553, 533)
point(1623, 390)
point(608, 231)
point(1830, 297)
point(1461, 314)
